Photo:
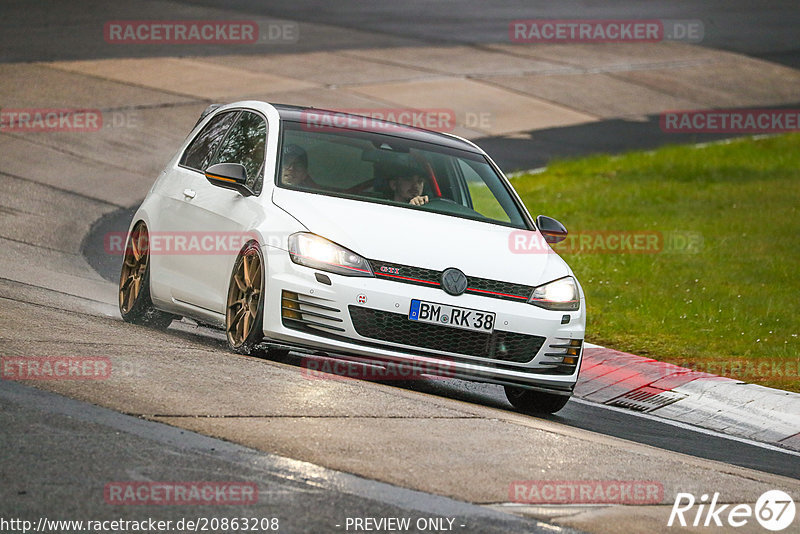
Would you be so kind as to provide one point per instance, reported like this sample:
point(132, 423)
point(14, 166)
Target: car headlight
point(317, 252)
point(560, 295)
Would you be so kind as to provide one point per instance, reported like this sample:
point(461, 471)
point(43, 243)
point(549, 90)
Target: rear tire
point(244, 312)
point(535, 402)
point(135, 304)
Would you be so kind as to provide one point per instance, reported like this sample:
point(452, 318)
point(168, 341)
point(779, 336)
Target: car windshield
point(392, 170)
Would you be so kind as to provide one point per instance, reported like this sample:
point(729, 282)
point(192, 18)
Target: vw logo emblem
point(454, 281)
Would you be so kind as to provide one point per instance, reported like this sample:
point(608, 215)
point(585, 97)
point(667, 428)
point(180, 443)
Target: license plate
point(442, 314)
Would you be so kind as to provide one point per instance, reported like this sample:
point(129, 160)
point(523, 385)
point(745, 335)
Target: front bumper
point(320, 317)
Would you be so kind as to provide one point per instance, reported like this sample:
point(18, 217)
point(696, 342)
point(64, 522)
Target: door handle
point(189, 193)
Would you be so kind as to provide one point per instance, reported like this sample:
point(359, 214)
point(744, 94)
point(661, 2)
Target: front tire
point(535, 402)
point(244, 312)
point(135, 304)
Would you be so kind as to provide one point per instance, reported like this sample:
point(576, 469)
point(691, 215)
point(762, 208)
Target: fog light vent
point(305, 312)
point(290, 306)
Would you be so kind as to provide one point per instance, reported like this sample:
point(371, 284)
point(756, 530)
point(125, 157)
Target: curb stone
point(700, 399)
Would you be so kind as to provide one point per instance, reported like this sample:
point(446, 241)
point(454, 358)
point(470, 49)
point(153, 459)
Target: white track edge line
point(687, 426)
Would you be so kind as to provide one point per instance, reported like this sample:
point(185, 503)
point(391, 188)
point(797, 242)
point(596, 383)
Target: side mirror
point(230, 176)
point(552, 230)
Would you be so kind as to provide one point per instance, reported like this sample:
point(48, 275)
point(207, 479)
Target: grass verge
point(714, 285)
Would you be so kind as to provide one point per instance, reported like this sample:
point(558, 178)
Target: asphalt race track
point(577, 414)
point(180, 407)
point(51, 31)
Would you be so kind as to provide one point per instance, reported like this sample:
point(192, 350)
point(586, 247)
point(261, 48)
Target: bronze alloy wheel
point(243, 311)
point(134, 267)
point(135, 304)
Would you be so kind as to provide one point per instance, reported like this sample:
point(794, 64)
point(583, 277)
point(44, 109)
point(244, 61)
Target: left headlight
point(317, 252)
point(559, 295)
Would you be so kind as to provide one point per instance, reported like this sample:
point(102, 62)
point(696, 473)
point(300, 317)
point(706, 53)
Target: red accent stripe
point(496, 293)
point(438, 284)
point(407, 278)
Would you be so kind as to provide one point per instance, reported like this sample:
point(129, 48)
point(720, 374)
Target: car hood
point(423, 239)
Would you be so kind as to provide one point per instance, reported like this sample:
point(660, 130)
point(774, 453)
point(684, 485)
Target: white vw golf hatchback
point(295, 228)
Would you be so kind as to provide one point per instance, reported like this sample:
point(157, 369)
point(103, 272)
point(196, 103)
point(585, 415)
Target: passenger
point(294, 171)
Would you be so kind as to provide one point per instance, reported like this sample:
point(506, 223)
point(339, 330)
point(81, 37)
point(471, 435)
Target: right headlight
point(559, 295)
point(317, 252)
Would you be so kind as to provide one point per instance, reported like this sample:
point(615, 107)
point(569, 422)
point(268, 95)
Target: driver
point(406, 184)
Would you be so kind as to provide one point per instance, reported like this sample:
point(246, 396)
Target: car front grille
point(397, 328)
point(433, 278)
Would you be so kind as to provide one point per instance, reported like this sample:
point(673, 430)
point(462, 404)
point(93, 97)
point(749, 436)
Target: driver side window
point(246, 144)
point(199, 152)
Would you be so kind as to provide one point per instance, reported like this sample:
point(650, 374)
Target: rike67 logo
point(774, 510)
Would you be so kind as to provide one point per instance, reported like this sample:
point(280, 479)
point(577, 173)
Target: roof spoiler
point(208, 110)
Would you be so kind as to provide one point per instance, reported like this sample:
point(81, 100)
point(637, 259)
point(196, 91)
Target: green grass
point(736, 298)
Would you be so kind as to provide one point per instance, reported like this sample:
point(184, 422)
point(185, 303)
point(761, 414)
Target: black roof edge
point(295, 113)
point(210, 109)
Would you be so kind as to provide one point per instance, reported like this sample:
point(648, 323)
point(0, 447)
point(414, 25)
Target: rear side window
point(200, 151)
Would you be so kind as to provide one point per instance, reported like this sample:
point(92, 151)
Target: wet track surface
point(303, 497)
point(62, 30)
point(578, 414)
point(583, 415)
point(54, 445)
